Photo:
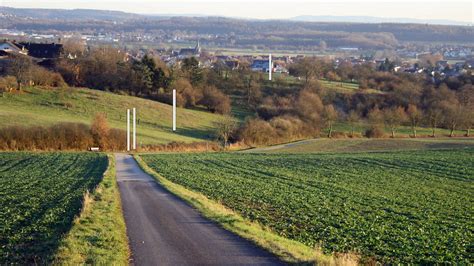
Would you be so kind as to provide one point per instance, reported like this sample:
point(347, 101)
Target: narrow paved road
point(164, 230)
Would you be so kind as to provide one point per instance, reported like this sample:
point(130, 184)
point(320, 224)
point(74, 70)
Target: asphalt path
point(164, 230)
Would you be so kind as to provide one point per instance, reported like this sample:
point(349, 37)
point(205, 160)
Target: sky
point(457, 10)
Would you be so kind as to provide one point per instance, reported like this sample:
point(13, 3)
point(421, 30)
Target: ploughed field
point(394, 207)
point(40, 193)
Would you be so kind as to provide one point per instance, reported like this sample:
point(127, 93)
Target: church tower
point(197, 49)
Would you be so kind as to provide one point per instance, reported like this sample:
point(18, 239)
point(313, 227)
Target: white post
point(174, 110)
point(270, 67)
point(128, 129)
point(134, 129)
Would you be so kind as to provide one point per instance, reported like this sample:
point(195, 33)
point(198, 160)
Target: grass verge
point(98, 235)
point(288, 250)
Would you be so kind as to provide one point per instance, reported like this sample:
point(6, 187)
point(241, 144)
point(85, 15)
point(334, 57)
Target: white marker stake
point(174, 110)
point(134, 128)
point(128, 129)
point(270, 67)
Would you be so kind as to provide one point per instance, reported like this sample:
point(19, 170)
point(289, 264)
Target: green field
point(39, 196)
point(45, 107)
point(394, 207)
point(365, 145)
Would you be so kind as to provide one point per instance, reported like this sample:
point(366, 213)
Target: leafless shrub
point(257, 132)
point(375, 132)
point(62, 136)
point(100, 131)
point(215, 100)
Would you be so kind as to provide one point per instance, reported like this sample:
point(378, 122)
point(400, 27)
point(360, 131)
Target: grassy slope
point(98, 235)
point(46, 107)
point(366, 145)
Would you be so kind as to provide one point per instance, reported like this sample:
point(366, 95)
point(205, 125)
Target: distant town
point(444, 61)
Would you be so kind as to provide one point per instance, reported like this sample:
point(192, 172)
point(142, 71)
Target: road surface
point(164, 230)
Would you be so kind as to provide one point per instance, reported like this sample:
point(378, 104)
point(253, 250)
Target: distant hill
point(368, 19)
point(298, 33)
point(68, 14)
point(49, 106)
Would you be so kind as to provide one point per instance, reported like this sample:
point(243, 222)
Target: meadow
point(44, 107)
point(392, 207)
point(40, 194)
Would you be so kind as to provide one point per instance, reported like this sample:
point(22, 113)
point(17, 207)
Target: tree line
point(288, 111)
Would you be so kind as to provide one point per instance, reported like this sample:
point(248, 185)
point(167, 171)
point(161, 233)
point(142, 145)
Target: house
point(232, 64)
point(12, 47)
point(189, 52)
point(260, 65)
point(43, 50)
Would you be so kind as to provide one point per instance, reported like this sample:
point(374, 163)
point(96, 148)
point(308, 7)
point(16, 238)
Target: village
point(434, 64)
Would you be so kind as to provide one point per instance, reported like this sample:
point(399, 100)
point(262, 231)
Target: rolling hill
point(36, 106)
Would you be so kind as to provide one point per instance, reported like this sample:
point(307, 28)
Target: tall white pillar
point(174, 110)
point(270, 67)
point(128, 129)
point(134, 129)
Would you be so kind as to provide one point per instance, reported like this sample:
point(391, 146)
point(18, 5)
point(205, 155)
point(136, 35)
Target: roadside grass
point(98, 235)
point(288, 250)
point(44, 107)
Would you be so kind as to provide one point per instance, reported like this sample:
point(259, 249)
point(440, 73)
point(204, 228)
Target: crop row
point(399, 207)
point(39, 196)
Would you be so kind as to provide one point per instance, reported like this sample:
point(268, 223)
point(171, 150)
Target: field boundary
point(98, 234)
point(286, 249)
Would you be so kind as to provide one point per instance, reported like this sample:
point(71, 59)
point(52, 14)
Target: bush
point(288, 128)
point(43, 77)
point(62, 136)
point(215, 100)
point(339, 135)
point(375, 132)
point(257, 132)
point(7, 83)
point(100, 131)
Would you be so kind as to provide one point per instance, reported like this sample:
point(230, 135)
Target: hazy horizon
point(458, 11)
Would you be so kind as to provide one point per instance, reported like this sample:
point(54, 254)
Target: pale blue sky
point(458, 10)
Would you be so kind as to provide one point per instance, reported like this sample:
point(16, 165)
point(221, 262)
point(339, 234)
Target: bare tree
point(254, 93)
point(393, 118)
point(20, 68)
point(414, 115)
point(376, 117)
point(225, 126)
point(330, 116)
point(452, 116)
point(309, 68)
point(433, 116)
point(353, 118)
point(467, 119)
